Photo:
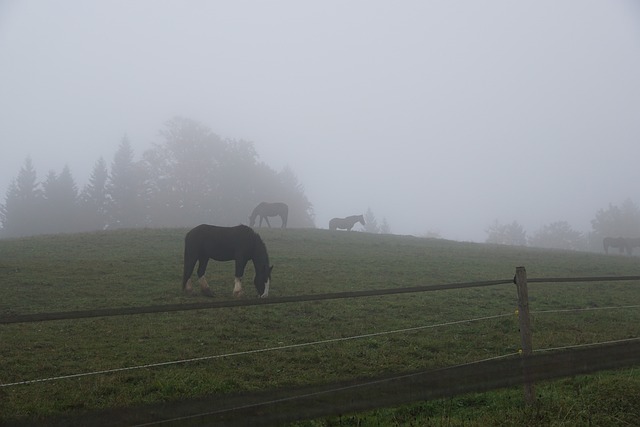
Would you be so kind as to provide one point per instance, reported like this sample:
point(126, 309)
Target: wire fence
point(332, 399)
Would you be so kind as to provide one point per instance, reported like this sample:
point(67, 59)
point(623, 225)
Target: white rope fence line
point(369, 383)
point(241, 353)
point(319, 393)
point(567, 347)
point(328, 341)
point(567, 310)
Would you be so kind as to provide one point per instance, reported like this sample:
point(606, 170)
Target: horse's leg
point(190, 260)
point(204, 286)
point(266, 218)
point(237, 285)
point(284, 221)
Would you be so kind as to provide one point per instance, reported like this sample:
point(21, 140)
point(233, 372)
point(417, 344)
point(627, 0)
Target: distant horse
point(239, 243)
point(616, 242)
point(265, 210)
point(346, 223)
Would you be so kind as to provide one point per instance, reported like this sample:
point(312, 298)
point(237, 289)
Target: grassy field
point(143, 267)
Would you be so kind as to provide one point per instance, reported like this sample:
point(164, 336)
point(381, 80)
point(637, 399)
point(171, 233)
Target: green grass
point(144, 267)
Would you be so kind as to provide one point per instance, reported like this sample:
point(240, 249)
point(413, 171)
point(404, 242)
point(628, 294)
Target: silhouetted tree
point(94, 200)
point(384, 227)
point(125, 189)
point(371, 223)
point(183, 174)
point(194, 176)
point(623, 221)
point(21, 213)
point(506, 234)
point(290, 190)
point(60, 202)
point(558, 235)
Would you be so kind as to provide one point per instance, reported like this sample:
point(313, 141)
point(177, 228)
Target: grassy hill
point(128, 268)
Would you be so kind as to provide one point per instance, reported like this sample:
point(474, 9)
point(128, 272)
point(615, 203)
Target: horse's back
point(220, 243)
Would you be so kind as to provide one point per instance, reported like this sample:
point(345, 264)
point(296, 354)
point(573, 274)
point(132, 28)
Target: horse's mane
point(260, 248)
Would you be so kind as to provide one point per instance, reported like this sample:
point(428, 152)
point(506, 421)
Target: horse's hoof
point(207, 292)
point(238, 294)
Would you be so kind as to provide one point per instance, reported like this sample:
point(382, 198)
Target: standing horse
point(265, 210)
point(239, 243)
point(346, 223)
point(616, 242)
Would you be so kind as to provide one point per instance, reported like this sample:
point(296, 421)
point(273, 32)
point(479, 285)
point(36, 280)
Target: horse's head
point(361, 219)
point(252, 220)
point(262, 280)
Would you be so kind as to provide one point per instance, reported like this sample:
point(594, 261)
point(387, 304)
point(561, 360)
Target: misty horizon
point(440, 118)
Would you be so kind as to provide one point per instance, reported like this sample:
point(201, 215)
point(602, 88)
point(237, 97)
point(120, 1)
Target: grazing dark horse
point(616, 242)
point(239, 243)
point(346, 223)
point(265, 210)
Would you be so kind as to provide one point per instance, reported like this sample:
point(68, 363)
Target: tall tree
point(125, 189)
point(506, 234)
point(371, 223)
point(195, 176)
point(60, 202)
point(300, 208)
point(21, 212)
point(617, 221)
point(94, 199)
point(183, 174)
point(558, 235)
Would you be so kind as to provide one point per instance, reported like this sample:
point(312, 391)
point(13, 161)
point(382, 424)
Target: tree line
point(192, 176)
point(613, 221)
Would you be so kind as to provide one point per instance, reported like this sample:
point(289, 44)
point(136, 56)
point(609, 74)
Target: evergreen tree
point(60, 202)
point(125, 189)
point(618, 221)
point(506, 234)
point(371, 225)
point(194, 176)
point(21, 212)
point(558, 235)
point(94, 198)
point(384, 227)
point(184, 174)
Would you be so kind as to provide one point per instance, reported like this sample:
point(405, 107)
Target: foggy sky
point(440, 116)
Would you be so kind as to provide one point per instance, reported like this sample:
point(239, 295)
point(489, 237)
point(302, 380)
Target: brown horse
point(264, 210)
point(346, 223)
point(239, 243)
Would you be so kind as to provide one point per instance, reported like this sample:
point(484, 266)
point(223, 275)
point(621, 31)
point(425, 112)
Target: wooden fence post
point(525, 333)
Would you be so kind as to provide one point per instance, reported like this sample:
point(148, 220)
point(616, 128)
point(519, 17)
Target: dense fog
point(447, 119)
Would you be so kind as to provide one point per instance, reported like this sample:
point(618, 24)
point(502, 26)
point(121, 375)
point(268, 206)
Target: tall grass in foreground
point(143, 267)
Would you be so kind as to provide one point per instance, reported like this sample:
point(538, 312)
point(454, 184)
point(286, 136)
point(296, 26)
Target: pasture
point(129, 268)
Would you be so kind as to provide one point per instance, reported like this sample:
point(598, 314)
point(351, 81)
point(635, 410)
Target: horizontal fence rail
point(166, 308)
point(276, 407)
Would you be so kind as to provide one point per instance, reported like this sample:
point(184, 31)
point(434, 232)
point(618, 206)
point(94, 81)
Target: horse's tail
point(190, 259)
point(332, 224)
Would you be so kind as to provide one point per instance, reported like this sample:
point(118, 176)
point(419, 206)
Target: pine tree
point(21, 212)
point(61, 202)
point(94, 198)
point(125, 189)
